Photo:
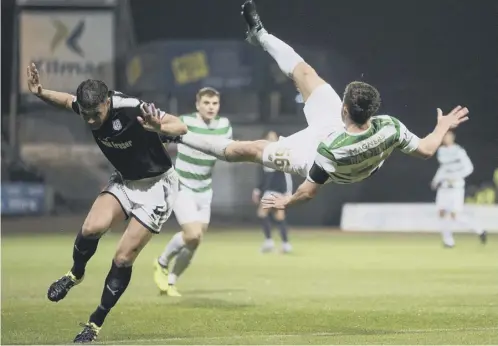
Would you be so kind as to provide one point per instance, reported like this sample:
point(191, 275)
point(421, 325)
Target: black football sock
point(115, 284)
point(84, 248)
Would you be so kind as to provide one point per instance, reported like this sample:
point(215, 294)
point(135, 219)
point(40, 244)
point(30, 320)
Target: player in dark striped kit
point(142, 190)
point(274, 182)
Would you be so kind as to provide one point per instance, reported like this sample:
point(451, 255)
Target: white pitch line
point(213, 338)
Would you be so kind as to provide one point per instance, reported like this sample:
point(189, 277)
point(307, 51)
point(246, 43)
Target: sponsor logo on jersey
point(374, 141)
point(116, 125)
point(117, 145)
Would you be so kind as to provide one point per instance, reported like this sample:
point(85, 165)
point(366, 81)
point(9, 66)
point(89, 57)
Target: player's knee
point(306, 79)
point(193, 239)
point(193, 243)
point(94, 227)
point(303, 70)
point(125, 258)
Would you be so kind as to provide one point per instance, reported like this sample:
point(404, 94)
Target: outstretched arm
point(305, 192)
point(317, 177)
point(155, 120)
point(428, 145)
point(172, 125)
point(54, 98)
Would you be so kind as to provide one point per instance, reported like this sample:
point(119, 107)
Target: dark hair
point(207, 91)
point(362, 101)
point(91, 93)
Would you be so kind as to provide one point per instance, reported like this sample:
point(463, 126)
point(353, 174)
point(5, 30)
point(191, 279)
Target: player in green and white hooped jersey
point(344, 141)
point(449, 181)
point(193, 205)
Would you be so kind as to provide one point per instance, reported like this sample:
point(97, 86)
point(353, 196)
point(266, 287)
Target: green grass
point(335, 289)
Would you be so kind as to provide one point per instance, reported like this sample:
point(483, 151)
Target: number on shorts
point(281, 161)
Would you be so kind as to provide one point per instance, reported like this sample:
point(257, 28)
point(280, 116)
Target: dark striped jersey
point(133, 151)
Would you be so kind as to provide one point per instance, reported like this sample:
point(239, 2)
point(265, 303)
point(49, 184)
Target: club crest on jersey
point(116, 125)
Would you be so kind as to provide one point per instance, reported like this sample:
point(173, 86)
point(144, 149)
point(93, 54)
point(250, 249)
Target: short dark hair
point(91, 93)
point(207, 91)
point(362, 101)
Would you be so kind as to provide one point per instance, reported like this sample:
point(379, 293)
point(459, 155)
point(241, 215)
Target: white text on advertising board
point(68, 48)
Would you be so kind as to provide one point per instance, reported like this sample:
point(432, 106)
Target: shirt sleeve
point(322, 167)
point(74, 106)
point(407, 141)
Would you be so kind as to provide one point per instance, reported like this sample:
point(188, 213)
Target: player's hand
point(256, 195)
point(273, 201)
point(454, 118)
point(151, 117)
point(34, 80)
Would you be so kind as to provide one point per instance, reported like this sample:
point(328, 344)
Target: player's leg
point(266, 224)
point(193, 234)
point(443, 204)
point(290, 154)
point(132, 242)
point(190, 235)
point(463, 221)
point(186, 212)
point(152, 202)
point(446, 228)
point(323, 109)
point(279, 217)
point(108, 209)
point(226, 149)
point(470, 223)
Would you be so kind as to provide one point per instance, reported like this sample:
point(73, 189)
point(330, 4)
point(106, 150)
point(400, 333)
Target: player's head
point(207, 102)
point(271, 136)
point(361, 102)
point(449, 138)
point(93, 101)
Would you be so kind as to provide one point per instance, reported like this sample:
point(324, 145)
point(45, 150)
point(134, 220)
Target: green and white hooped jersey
point(194, 167)
point(350, 158)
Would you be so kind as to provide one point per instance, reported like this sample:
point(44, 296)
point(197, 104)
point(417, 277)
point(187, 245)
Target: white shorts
point(149, 200)
point(450, 199)
point(295, 154)
point(192, 206)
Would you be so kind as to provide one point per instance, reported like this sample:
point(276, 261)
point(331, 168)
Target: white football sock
point(285, 56)
point(182, 262)
point(446, 225)
point(211, 145)
point(172, 249)
point(172, 279)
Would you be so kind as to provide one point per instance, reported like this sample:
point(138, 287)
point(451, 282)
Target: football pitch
point(335, 288)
